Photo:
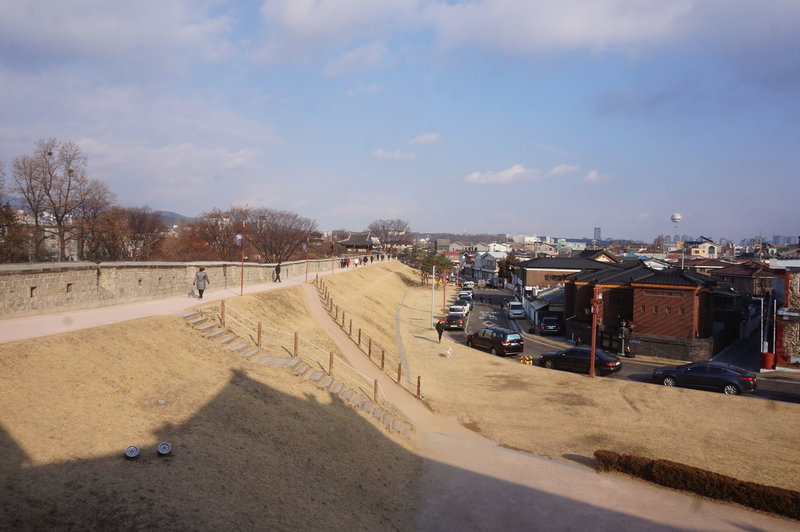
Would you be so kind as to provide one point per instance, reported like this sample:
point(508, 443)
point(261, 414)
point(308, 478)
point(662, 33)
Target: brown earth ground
point(255, 444)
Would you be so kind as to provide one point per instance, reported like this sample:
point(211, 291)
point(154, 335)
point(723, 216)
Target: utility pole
point(433, 292)
point(595, 308)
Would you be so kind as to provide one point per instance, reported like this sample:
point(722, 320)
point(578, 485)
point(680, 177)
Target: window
point(655, 309)
point(668, 310)
point(681, 311)
point(643, 308)
point(69, 287)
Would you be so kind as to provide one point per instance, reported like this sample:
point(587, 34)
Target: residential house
point(749, 278)
point(787, 314)
point(665, 313)
point(547, 272)
point(485, 265)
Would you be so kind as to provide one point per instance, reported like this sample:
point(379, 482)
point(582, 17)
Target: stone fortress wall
point(39, 288)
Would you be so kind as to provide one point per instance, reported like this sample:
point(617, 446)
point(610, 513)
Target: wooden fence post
point(351, 327)
point(399, 371)
point(375, 391)
point(222, 312)
point(296, 336)
point(259, 335)
point(383, 358)
point(359, 337)
point(369, 349)
point(336, 318)
point(419, 385)
point(330, 364)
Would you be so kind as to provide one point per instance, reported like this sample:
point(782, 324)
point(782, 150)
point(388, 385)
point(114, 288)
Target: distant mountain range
point(170, 218)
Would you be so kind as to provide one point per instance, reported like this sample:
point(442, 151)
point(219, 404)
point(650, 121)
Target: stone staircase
point(382, 414)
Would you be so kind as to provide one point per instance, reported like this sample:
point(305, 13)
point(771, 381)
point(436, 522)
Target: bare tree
point(391, 233)
point(95, 200)
point(146, 229)
point(278, 236)
point(219, 230)
point(27, 184)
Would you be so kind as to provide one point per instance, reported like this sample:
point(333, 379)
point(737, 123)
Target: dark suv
point(496, 340)
point(549, 325)
point(716, 376)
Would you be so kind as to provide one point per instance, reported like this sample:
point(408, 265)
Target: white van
point(515, 310)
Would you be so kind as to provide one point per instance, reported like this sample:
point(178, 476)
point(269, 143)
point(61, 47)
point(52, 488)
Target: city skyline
point(479, 117)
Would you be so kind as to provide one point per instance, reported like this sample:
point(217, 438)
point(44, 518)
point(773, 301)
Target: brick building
point(664, 313)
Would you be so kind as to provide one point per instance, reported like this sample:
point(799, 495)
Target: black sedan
point(716, 376)
point(577, 359)
point(454, 321)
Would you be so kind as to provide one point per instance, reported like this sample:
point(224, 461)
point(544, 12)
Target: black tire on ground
point(730, 389)
point(549, 364)
point(494, 351)
point(669, 381)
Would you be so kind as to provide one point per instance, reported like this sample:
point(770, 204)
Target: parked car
point(466, 298)
point(578, 359)
point(717, 376)
point(496, 340)
point(459, 307)
point(549, 325)
point(454, 321)
point(515, 310)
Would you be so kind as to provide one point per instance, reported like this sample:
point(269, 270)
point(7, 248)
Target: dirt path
point(470, 483)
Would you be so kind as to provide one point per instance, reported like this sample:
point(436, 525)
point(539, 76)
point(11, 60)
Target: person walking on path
point(200, 281)
point(277, 275)
point(439, 329)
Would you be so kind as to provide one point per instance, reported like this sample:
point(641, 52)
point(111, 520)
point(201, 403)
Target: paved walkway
point(468, 482)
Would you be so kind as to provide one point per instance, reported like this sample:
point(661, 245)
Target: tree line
point(67, 215)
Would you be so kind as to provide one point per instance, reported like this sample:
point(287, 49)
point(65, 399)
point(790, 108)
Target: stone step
point(196, 320)
point(206, 326)
point(301, 368)
point(316, 375)
point(226, 339)
point(247, 353)
point(387, 419)
point(337, 387)
point(366, 406)
point(239, 346)
point(279, 361)
point(214, 334)
point(326, 382)
point(192, 314)
point(346, 394)
point(377, 412)
point(357, 400)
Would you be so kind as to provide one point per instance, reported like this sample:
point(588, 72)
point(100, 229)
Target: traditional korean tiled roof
point(746, 269)
point(360, 240)
point(639, 274)
point(563, 263)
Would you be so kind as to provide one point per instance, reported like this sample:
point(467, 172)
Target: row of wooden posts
point(333, 309)
point(296, 343)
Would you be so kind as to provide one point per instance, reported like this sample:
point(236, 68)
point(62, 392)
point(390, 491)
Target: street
point(488, 312)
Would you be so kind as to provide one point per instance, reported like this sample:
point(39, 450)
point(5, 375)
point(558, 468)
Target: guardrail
point(387, 360)
point(271, 339)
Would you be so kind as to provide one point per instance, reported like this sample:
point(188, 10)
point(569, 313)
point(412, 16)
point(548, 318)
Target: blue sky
point(504, 116)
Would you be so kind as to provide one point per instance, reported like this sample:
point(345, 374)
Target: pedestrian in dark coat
point(440, 329)
point(201, 281)
point(277, 275)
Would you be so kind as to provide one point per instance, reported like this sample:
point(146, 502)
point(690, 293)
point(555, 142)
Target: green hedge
point(687, 478)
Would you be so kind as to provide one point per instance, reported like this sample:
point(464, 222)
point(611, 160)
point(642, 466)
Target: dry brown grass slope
point(255, 447)
point(566, 416)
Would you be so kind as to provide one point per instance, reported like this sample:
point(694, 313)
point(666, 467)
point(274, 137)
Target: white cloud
point(425, 139)
point(380, 153)
point(516, 173)
point(596, 177)
point(563, 169)
point(357, 60)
